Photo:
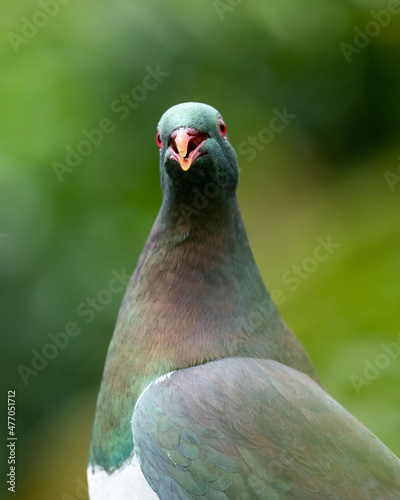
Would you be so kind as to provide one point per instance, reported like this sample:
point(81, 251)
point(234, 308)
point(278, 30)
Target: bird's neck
point(195, 282)
point(196, 227)
point(196, 295)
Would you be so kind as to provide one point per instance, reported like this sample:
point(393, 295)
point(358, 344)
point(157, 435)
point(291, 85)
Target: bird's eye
point(221, 126)
point(158, 139)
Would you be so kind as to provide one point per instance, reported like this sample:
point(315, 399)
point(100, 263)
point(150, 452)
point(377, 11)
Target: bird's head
point(194, 148)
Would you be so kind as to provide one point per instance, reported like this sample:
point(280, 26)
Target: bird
point(206, 392)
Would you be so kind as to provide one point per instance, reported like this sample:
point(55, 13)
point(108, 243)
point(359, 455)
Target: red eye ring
point(221, 126)
point(158, 139)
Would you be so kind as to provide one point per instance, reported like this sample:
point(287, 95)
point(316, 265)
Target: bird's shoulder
point(243, 428)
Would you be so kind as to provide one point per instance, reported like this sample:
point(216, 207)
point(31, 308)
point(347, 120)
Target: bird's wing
point(243, 429)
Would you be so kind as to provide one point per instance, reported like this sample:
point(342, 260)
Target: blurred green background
point(325, 173)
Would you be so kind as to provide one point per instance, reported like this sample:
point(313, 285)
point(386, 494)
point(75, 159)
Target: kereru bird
point(206, 393)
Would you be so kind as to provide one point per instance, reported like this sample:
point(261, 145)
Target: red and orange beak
point(186, 143)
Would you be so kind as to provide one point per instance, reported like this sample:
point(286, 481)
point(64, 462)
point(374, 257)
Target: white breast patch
point(126, 483)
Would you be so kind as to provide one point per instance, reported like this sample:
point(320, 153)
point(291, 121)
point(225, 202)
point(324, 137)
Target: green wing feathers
point(244, 429)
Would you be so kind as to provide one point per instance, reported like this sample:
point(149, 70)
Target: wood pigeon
point(206, 393)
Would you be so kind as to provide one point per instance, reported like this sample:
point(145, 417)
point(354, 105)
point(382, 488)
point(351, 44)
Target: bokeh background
point(332, 170)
